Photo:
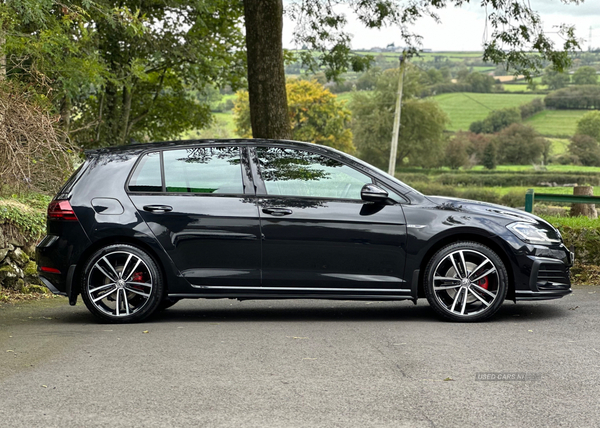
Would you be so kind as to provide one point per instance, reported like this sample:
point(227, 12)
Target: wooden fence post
point(588, 210)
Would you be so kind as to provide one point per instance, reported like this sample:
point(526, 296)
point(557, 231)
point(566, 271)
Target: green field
point(556, 122)
point(464, 108)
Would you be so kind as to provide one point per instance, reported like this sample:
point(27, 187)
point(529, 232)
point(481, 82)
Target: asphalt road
point(222, 363)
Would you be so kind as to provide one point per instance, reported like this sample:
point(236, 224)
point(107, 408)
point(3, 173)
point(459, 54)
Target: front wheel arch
point(447, 240)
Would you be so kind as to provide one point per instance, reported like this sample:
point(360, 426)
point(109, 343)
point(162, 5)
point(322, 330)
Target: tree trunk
point(65, 118)
point(125, 113)
point(588, 210)
point(266, 77)
point(2, 54)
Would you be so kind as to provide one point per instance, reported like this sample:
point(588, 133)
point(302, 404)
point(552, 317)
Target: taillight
point(61, 210)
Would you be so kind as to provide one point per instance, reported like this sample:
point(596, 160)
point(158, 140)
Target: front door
point(317, 232)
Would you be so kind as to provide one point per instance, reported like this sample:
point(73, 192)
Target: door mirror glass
point(373, 193)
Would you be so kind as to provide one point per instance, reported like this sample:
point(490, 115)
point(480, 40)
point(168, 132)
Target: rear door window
point(211, 170)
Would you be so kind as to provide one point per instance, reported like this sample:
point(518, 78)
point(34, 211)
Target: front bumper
point(549, 278)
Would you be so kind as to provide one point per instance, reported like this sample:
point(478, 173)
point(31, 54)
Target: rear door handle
point(277, 212)
point(158, 208)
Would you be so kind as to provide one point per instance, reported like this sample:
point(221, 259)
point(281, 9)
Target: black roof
point(136, 148)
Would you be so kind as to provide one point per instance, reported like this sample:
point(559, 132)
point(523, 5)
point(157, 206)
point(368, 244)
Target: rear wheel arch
point(473, 237)
point(112, 240)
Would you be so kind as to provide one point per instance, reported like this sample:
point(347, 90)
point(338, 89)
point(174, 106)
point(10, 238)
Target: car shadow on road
point(354, 312)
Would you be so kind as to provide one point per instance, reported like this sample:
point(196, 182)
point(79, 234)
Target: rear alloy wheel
point(466, 281)
point(121, 283)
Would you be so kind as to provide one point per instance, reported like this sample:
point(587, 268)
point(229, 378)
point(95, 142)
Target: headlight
point(534, 235)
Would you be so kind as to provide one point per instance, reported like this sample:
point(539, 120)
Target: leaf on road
point(10, 350)
point(44, 386)
point(448, 379)
point(530, 331)
point(145, 331)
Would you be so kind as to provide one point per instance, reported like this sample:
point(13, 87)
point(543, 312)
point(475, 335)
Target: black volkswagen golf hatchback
point(138, 228)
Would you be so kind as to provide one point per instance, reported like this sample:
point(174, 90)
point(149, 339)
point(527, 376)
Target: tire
point(121, 283)
point(465, 282)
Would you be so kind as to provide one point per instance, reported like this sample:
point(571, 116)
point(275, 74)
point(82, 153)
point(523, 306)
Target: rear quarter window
point(147, 177)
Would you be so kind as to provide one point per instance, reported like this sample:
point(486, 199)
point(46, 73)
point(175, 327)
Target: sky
point(463, 29)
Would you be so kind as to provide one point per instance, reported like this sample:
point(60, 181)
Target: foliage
point(521, 144)
point(496, 121)
point(464, 108)
point(586, 149)
point(456, 152)
point(316, 115)
point(589, 125)
point(31, 154)
point(516, 34)
point(555, 79)
point(585, 76)
point(574, 97)
point(117, 75)
point(583, 234)
point(27, 213)
point(422, 122)
point(531, 108)
point(489, 159)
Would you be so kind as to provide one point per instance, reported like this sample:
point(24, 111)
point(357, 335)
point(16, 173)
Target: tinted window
point(292, 172)
point(203, 170)
point(146, 177)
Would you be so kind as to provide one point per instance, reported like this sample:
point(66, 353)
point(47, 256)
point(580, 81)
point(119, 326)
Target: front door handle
point(158, 208)
point(277, 212)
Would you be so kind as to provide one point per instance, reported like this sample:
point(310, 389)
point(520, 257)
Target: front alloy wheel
point(466, 281)
point(121, 283)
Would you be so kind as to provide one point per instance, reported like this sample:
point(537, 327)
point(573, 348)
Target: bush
point(515, 179)
point(519, 144)
point(456, 152)
point(496, 121)
point(484, 195)
point(589, 125)
point(586, 149)
point(32, 156)
point(531, 108)
point(514, 198)
point(574, 97)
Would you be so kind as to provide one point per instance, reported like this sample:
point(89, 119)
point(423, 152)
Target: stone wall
point(18, 270)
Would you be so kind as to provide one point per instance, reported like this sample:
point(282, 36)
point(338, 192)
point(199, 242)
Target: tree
point(555, 79)
point(422, 123)
point(520, 144)
point(496, 120)
point(585, 76)
point(589, 125)
point(489, 156)
point(456, 152)
point(586, 148)
point(118, 75)
point(316, 115)
point(517, 36)
point(266, 76)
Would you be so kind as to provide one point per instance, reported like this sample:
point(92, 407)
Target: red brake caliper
point(138, 277)
point(483, 282)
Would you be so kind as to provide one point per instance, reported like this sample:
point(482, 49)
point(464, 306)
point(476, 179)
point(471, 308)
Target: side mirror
point(373, 193)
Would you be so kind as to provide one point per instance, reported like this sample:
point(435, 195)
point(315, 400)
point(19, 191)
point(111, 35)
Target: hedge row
point(508, 180)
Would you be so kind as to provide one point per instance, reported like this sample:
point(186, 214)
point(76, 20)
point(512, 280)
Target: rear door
point(318, 235)
point(199, 202)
